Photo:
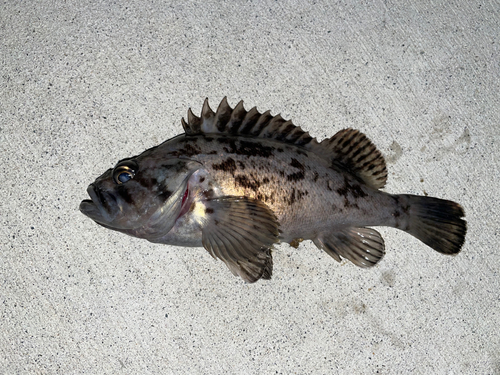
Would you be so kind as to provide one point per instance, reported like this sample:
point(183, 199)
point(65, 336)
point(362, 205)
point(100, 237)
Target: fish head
point(141, 196)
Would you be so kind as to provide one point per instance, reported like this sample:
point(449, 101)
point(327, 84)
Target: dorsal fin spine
point(206, 111)
point(185, 126)
point(261, 123)
point(237, 117)
point(249, 120)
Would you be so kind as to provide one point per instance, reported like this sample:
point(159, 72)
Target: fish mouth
point(94, 207)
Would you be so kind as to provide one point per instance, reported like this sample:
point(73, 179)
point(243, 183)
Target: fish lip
point(91, 191)
point(94, 207)
point(89, 205)
point(90, 209)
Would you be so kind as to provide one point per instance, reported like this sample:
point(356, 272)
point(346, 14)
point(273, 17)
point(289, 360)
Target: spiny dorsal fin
point(348, 148)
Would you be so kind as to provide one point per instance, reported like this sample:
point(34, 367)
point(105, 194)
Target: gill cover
point(178, 172)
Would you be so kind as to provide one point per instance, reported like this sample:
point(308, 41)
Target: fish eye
point(124, 171)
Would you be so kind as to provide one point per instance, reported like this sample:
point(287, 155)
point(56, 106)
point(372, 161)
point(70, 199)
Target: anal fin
point(240, 231)
point(362, 246)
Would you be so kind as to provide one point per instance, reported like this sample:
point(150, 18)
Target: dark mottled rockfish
point(236, 182)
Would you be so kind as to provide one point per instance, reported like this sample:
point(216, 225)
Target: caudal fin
point(436, 222)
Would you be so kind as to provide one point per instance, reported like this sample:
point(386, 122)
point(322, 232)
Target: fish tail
point(436, 222)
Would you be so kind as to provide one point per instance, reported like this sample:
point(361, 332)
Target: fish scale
point(237, 182)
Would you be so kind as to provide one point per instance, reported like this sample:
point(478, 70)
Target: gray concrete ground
point(84, 84)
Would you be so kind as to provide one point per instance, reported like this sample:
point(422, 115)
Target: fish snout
point(95, 207)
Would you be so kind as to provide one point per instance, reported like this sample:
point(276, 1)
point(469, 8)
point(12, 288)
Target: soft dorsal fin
point(354, 151)
point(348, 148)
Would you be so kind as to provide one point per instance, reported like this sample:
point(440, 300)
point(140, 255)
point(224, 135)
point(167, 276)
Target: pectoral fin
point(362, 246)
point(241, 231)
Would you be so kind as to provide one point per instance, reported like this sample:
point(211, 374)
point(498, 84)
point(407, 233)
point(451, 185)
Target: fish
point(238, 182)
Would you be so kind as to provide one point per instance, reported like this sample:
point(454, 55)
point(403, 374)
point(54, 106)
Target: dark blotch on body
point(348, 204)
point(401, 214)
point(355, 189)
point(296, 196)
point(265, 198)
point(255, 149)
point(246, 148)
point(228, 165)
point(189, 149)
point(296, 164)
point(243, 181)
point(231, 149)
point(295, 176)
point(351, 192)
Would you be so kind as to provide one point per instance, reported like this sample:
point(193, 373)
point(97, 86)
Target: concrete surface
point(84, 84)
